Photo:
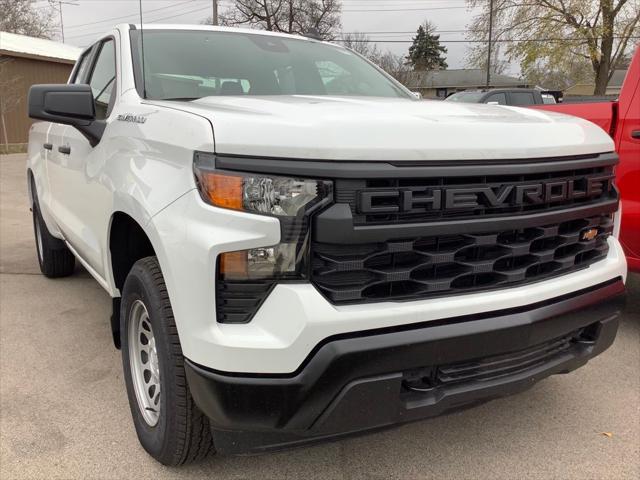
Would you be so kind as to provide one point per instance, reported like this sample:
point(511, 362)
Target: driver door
point(79, 185)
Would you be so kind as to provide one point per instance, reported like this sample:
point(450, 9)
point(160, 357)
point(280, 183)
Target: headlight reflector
point(266, 194)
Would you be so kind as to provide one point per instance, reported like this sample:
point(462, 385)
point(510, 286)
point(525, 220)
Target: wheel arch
point(31, 187)
point(128, 242)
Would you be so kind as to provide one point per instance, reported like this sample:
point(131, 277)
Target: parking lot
point(64, 411)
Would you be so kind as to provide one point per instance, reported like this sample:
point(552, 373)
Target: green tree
point(426, 53)
point(552, 32)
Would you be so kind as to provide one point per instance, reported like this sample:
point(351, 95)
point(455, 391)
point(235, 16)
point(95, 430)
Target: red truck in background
point(621, 119)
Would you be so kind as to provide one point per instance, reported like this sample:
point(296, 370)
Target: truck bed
point(600, 113)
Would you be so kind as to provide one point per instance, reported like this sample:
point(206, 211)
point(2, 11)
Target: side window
point(80, 75)
point(522, 98)
point(499, 98)
point(103, 79)
point(548, 99)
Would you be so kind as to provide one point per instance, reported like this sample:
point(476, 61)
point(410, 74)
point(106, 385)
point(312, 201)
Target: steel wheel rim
point(143, 359)
point(38, 239)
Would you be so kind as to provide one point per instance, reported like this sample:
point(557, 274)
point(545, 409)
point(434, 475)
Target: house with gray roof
point(442, 83)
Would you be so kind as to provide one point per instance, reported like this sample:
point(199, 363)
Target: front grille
point(348, 191)
point(416, 268)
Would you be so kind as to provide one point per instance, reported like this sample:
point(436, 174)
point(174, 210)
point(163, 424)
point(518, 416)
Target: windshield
point(466, 97)
point(182, 64)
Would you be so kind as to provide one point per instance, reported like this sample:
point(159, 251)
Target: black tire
point(182, 433)
point(54, 258)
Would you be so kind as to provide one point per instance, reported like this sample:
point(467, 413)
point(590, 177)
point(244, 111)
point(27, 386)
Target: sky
point(85, 20)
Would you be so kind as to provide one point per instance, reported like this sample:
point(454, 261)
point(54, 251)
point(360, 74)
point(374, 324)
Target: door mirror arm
point(68, 104)
point(93, 132)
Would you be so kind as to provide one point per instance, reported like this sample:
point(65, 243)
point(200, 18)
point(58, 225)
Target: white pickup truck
point(298, 248)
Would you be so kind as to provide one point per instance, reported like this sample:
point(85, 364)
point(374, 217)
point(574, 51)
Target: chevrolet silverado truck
point(298, 249)
point(621, 120)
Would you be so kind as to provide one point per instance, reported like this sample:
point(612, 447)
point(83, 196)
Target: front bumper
point(295, 316)
point(371, 379)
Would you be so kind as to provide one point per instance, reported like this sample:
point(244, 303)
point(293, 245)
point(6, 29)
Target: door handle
point(635, 134)
point(65, 150)
point(48, 146)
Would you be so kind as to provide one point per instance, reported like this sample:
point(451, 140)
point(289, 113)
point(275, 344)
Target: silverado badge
point(130, 117)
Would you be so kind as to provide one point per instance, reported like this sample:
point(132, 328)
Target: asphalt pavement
point(64, 411)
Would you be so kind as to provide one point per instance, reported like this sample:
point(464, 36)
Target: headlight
point(245, 277)
point(265, 194)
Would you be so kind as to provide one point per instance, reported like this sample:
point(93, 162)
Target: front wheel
point(169, 425)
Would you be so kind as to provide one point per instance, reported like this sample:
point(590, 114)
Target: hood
point(365, 128)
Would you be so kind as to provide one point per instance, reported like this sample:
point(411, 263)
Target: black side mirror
point(68, 104)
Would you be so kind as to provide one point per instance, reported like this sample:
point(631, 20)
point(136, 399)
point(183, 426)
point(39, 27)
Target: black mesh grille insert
point(432, 378)
point(502, 365)
point(350, 191)
point(427, 266)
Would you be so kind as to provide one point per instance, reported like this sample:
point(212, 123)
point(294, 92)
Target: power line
point(401, 9)
point(485, 41)
point(106, 20)
point(180, 14)
point(177, 14)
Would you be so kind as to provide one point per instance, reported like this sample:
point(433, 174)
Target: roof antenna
point(144, 82)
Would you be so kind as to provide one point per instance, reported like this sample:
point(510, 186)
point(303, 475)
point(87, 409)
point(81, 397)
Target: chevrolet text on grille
point(430, 198)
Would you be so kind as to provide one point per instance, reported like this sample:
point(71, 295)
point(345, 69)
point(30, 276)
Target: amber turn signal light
point(233, 265)
point(221, 190)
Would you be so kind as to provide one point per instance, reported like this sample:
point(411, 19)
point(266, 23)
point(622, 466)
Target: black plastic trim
point(324, 397)
point(336, 225)
point(409, 169)
point(115, 321)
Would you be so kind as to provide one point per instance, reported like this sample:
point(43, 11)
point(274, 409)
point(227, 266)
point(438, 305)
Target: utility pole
point(60, 2)
point(214, 17)
point(489, 49)
point(61, 22)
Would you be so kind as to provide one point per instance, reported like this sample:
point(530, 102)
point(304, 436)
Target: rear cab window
point(522, 98)
point(497, 98)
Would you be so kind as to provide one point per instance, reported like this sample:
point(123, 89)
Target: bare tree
point(391, 63)
point(361, 43)
point(394, 65)
point(321, 17)
point(25, 18)
point(554, 76)
point(9, 94)
point(599, 31)
point(477, 58)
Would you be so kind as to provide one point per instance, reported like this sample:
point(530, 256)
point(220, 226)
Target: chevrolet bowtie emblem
point(589, 234)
